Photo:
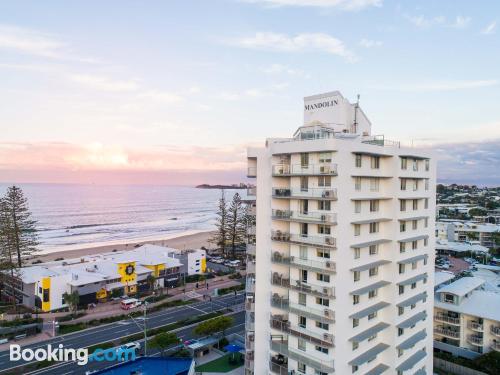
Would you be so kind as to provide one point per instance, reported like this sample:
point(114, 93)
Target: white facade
point(344, 250)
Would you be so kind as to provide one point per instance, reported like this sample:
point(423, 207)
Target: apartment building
point(460, 231)
point(94, 277)
point(343, 252)
point(466, 318)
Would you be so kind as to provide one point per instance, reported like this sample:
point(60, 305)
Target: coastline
point(181, 241)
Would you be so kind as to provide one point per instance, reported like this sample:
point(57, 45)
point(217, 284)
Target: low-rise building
point(466, 231)
point(454, 248)
point(466, 318)
point(194, 261)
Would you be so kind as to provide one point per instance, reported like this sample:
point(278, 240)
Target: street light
point(144, 327)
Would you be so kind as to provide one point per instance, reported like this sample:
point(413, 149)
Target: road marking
point(194, 308)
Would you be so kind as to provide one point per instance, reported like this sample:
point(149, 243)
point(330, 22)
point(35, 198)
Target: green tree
point(72, 300)
point(20, 228)
point(236, 225)
point(472, 236)
point(151, 281)
point(163, 341)
point(215, 325)
point(489, 362)
point(220, 236)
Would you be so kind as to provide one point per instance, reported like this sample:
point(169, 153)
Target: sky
point(172, 92)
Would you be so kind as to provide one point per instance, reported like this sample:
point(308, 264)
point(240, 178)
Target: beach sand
point(190, 241)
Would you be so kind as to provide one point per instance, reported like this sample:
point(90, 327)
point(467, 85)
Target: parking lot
point(456, 265)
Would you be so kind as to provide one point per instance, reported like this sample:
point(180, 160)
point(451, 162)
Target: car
point(131, 345)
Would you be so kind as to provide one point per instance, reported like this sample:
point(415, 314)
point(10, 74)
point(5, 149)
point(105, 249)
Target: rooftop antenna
point(356, 115)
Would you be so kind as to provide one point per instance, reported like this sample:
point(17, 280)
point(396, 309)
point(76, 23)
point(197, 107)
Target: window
point(401, 289)
point(404, 163)
point(321, 349)
point(322, 301)
point(373, 315)
point(324, 181)
point(301, 367)
point(323, 277)
point(374, 205)
point(401, 310)
point(357, 183)
point(373, 271)
point(357, 229)
point(324, 205)
point(357, 252)
point(46, 295)
point(372, 337)
point(373, 227)
point(304, 183)
point(401, 268)
point(426, 203)
point(374, 184)
point(400, 331)
point(325, 157)
point(375, 162)
point(415, 165)
point(355, 299)
point(321, 253)
point(301, 344)
point(427, 165)
point(355, 345)
point(415, 185)
point(302, 321)
point(414, 224)
point(400, 352)
point(426, 241)
point(358, 160)
point(403, 184)
point(415, 204)
point(426, 184)
point(324, 229)
point(372, 293)
point(373, 249)
point(413, 265)
point(302, 299)
point(413, 285)
point(354, 369)
point(426, 222)
point(304, 159)
point(402, 205)
point(322, 325)
point(303, 252)
point(402, 247)
point(355, 322)
point(414, 245)
point(303, 276)
point(402, 226)
point(425, 261)
point(357, 207)
point(357, 275)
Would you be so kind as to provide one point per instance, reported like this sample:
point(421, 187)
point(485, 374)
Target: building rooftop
point(460, 247)
point(480, 303)
point(441, 277)
point(462, 286)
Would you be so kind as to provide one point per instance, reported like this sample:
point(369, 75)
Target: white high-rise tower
point(340, 271)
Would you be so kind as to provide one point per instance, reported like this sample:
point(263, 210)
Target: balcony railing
point(280, 258)
point(250, 285)
point(324, 339)
point(276, 368)
point(250, 306)
point(495, 330)
point(329, 169)
point(251, 230)
point(252, 191)
point(311, 312)
point(447, 319)
point(447, 332)
point(281, 346)
point(251, 249)
point(495, 345)
point(314, 217)
point(250, 266)
point(306, 239)
point(280, 280)
point(475, 340)
point(475, 326)
point(315, 265)
point(317, 290)
point(314, 193)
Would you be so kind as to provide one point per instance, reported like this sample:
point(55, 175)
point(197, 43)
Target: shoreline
point(181, 241)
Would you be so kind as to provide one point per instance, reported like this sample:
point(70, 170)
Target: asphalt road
point(127, 327)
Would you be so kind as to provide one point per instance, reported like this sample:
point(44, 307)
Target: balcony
point(250, 266)
point(278, 364)
point(279, 323)
point(281, 346)
point(476, 340)
point(249, 325)
point(287, 170)
point(280, 258)
point(250, 285)
point(251, 230)
point(495, 330)
point(325, 314)
point(250, 305)
point(475, 326)
point(316, 290)
point(251, 191)
point(319, 217)
point(314, 265)
point(447, 319)
point(251, 249)
point(252, 172)
point(306, 239)
point(280, 302)
point(495, 345)
point(306, 193)
point(280, 280)
point(447, 332)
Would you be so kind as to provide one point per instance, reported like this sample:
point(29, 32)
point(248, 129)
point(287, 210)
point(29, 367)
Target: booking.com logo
point(62, 354)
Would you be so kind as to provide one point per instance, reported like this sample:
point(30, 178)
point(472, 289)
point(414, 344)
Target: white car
point(131, 345)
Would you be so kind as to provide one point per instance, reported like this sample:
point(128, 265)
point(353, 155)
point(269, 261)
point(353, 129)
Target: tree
point(220, 236)
point(151, 280)
point(215, 325)
point(472, 236)
point(236, 225)
point(163, 341)
point(72, 300)
point(20, 228)
point(489, 362)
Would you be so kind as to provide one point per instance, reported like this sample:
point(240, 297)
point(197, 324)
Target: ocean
point(80, 216)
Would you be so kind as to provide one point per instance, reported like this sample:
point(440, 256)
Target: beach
point(188, 241)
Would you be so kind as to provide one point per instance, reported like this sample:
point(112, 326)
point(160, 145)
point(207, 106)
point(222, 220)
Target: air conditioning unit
point(328, 265)
point(326, 337)
point(327, 313)
point(330, 240)
point(325, 290)
point(323, 218)
point(326, 193)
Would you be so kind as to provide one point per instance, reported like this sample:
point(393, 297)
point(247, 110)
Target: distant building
point(466, 318)
point(466, 231)
point(445, 247)
point(194, 262)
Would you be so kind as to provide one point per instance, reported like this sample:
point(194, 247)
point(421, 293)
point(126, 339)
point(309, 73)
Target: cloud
point(103, 83)
point(461, 22)
point(284, 69)
point(490, 28)
point(305, 42)
point(351, 5)
point(367, 43)
point(423, 22)
point(440, 86)
point(37, 43)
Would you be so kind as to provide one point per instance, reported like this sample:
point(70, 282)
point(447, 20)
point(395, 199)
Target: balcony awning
point(371, 153)
point(368, 355)
point(418, 157)
point(371, 176)
point(369, 310)
point(369, 332)
point(410, 342)
point(413, 259)
point(413, 218)
point(412, 198)
point(368, 221)
point(377, 370)
point(416, 238)
point(412, 361)
point(367, 266)
point(369, 288)
point(413, 320)
point(366, 244)
point(413, 279)
point(420, 372)
point(413, 300)
point(371, 198)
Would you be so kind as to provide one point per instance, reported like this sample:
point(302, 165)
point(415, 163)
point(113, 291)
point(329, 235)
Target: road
point(127, 327)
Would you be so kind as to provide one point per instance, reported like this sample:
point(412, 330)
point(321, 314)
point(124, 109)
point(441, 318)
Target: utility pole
point(145, 329)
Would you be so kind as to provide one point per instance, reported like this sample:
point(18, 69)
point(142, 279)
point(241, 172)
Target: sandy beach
point(190, 241)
